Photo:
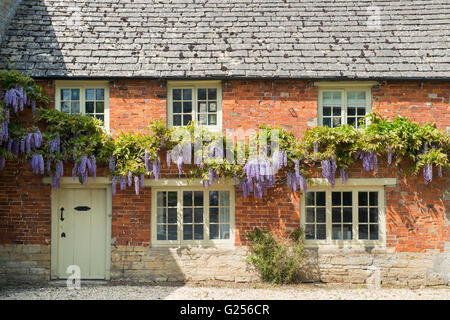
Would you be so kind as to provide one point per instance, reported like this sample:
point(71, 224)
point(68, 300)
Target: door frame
point(69, 183)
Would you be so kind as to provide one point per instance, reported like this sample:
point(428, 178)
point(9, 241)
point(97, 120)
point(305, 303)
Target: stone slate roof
point(311, 39)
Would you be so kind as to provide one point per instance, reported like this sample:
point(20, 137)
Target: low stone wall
point(180, 264)
point(21, 263)
point(357, 266)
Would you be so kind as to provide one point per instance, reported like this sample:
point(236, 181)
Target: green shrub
point(278, 260)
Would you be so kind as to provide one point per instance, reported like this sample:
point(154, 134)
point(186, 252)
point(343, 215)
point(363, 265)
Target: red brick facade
point(415, 212)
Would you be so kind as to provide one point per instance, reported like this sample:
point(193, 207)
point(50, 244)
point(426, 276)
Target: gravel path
point(218, 292)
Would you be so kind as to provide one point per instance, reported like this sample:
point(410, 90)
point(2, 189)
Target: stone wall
point(7, 10)
point(20, 262)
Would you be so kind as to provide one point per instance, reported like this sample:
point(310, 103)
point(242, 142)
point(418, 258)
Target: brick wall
point(415, 212)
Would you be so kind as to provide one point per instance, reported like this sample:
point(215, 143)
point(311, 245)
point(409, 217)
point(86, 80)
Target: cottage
point(229, 65)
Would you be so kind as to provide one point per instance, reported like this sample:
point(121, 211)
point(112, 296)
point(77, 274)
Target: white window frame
point(194, 85)
point(188, 243)
point(344, 88)
point(82, 86)
point(355, 186)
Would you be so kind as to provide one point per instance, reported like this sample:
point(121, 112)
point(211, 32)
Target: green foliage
point(278, 260)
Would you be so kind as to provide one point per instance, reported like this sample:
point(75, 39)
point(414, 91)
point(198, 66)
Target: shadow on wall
point(41, 54)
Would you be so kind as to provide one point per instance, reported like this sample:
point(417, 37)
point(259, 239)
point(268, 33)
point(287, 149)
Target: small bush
point(278, 260)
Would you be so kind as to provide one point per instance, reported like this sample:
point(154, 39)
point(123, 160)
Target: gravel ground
point(214, 291)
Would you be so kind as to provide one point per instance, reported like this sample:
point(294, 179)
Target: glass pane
point(176, 94)
point(161, 233)
point(212, 94)
point(224, 231)
point(201, 94)
point(310, 215)
point(187, 198)
point(198, 215)
point(172, 199)
point(100, 107)
point(310, 199)
point(75, 94)
point(65, 107)
point(362, 198)
point(161, 199)
point(187, 107)
point(187, 94)
point(187, 215)
point(89, 107)
point(351, 111)
point(321, 231)
point(177, 107)
point(75, 107)
point(363, 232)
point(320, 215)
point(187, 232)
point(336, 122)
point(100, 117)
point(224, 198)
point(198, 198)
point(336, 111)
point(213, 198)
point(212, 107)
point(177, 120)
point(347, 232)
point(336, 198)
point(351, 122)
point(213, 215)
point(362, 215)
point(327, 122)
point(336, 232)
point(161, 215)
point(202, 107)
point(320, 198)
point(373, 216)
point(198, 232)
point(310, 231)
point(212, 119)
point(336, 215)
point(172, 215)
point(347, 215)
point(347, 198)
point(100, 94)
point(65, 94)
point(327, 111)
point(336, 97)
point(186, 120)
point(361, 111)
point(203, 119)
point(224, 215)
point(172, 232)
point(89, 94)
point(373, 198)
point(373, 232)
point(213, 231)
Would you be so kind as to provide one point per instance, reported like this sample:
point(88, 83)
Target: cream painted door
point(82, 232)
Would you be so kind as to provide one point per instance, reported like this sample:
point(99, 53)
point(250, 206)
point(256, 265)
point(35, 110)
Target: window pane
point(347, 214)
point(172, 215)
point(363, 232)
point(347, 232)
point(224, 215)
point(75, 107)
point(310, 198)
point(213, 198)
point(327, 111)
point(100, 107)
point(224, 198)
point(161, 233)
point(310, 215)
point(336, 215)
point(310, 232)
point(201, 94)
point(198, 198)
point(65, 107)
point(89, 94)
point(320, 198)
point(351, 111)
point(172, 232)
point(336, 112)
point(187, 215)
point(212, 107)
point(75, 94)
point(100, 117)
point(172, 199)
point(373, 214)
point(198, 215)
point(100, 94)
point(373, 232)
point(89, 107)
point(187, 198)
point(373, 198)
point(347, 198)
point(336, 232)
point(198, 232)
point(321, 232)
point(177, 107)
point(187, 232)
point(161, 215)
point(212, 119)
point(327, 122)
point(214, 215)
point(187, 107)
point(336, 198)
point(362, 215)
point(177, 120)
point(65, 94)
point(224, 231)
point(362, 198)
point(212, 94)
point(161, 199)
point(203, 119)
point(213, 231)
point(176, 94)
point(186, 120)
point(336, 122)
point(187, 94)
point(202, 107)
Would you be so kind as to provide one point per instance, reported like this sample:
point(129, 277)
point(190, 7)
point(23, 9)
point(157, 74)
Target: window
point(343, 106)
point(193, 216)
point(195, 101)
point(343, 215)
point(87, 97)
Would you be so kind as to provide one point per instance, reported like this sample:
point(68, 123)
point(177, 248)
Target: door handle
point(61, 217)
